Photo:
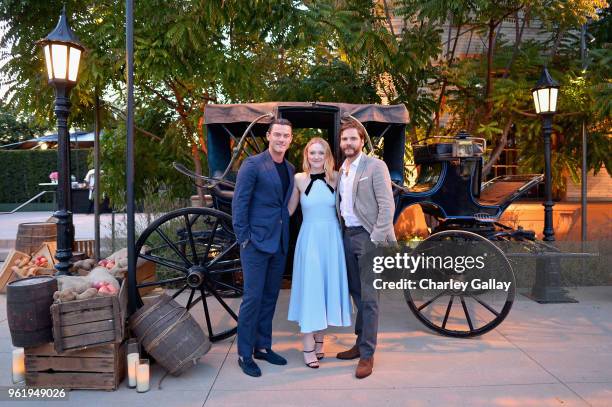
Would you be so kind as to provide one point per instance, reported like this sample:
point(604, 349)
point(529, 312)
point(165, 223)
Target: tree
point(15, 128)
point(490, 95)
point(188, 54)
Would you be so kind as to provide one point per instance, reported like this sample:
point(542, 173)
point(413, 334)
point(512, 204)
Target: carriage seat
point(224, 194)
point(222, 198)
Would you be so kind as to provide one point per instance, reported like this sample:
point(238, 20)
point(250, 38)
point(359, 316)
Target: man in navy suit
point(261, 223)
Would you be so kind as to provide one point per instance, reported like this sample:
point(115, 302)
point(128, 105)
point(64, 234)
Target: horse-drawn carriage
point(196, 251)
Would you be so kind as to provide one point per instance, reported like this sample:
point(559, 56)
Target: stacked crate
point(94, 321)
point(99, 367)
point(88, 351)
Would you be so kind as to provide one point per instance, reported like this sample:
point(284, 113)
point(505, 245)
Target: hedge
point(22, 171)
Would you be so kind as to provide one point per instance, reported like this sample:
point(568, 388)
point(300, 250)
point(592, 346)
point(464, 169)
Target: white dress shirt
point(346, 192)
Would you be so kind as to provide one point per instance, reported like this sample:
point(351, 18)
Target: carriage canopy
point(227, 122)
point(247, 112)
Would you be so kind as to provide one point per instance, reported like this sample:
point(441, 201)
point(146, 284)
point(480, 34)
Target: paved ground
point(542, 355)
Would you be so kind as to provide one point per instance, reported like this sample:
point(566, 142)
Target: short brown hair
point(282, 122)
point(352, 124)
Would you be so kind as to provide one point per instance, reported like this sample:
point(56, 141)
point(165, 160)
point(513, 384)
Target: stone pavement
point(541, 355)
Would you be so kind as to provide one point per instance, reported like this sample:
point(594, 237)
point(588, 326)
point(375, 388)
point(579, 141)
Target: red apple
point(97, 284)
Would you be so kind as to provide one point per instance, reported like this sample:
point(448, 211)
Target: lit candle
point(18, 365)
point(142, 376)
point(132, 362)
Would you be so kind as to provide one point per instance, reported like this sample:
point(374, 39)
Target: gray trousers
point(365, 296)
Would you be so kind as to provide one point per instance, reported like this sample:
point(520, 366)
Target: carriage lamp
point(467, 146)
point(545, 101)
point(463, 148)
point(63, 51)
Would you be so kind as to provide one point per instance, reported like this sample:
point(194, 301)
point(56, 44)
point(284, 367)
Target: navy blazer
point(259, 208)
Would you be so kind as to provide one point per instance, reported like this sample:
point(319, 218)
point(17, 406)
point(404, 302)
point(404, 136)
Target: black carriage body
point(449, 187)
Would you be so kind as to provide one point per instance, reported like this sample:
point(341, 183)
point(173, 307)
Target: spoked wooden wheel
point(195, 251)
point(464, 284)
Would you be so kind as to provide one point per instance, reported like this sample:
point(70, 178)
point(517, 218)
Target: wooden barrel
point(168, 333)
point(31, 235)
point(28, 303)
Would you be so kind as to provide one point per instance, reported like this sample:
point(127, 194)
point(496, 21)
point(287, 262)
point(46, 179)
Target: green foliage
point(23, 170)
point(486, 93)
point(189, 54)
point(14, 128)
point(153, 165)
point(321, 84)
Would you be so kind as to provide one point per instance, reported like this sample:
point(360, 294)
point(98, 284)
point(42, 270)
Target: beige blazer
point(373, 199)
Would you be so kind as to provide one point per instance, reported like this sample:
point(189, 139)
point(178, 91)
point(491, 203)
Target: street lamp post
point(62, 56)
point(545, 99)
point(547, 287)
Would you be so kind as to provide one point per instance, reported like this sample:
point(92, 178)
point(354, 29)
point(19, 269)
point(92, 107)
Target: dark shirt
point(284, 176)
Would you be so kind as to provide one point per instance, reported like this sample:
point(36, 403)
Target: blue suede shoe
point(270, 356)
point(249, 367)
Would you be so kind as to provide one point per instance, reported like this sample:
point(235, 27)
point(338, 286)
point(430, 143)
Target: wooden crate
point(85, 246)
point(6, 273)
point(81, 323)
point(45, 250)
point(146, 273)
point(99, 367)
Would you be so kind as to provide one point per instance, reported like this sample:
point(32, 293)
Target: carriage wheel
point(195, 251)
point(466, 310)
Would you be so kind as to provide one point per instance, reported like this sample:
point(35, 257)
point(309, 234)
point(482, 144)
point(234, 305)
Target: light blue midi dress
point(319, 289)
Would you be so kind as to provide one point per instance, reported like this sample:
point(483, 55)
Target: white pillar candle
point(132, 362)
point(18, 365)
point(142, 376)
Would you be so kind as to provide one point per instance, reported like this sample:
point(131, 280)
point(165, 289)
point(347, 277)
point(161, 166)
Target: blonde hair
point(328, 164)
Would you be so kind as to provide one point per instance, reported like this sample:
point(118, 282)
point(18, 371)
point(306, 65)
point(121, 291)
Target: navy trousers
point(262, 274)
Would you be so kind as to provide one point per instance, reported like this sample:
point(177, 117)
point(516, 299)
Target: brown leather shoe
point(352, 353)
point(364, 368)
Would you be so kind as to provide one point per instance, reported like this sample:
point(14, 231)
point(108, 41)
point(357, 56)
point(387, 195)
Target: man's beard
point(353, 150)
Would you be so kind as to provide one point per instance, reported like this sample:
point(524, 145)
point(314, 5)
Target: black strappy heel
point(314, 364)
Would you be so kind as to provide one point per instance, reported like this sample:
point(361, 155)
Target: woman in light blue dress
point(319, 289)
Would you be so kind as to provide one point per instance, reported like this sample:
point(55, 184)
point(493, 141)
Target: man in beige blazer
point(365, 207)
